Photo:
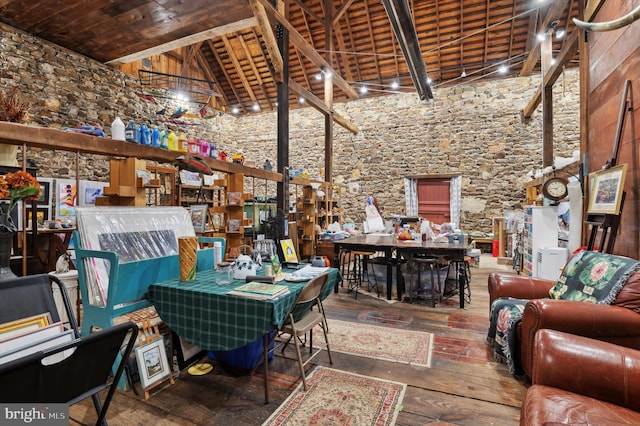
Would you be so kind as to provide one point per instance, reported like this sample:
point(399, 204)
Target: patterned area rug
point(335, 397)
point(385, 343)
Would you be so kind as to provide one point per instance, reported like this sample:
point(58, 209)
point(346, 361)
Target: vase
point(6, 243)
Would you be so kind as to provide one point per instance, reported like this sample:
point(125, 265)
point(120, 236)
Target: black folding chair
point(84, 370)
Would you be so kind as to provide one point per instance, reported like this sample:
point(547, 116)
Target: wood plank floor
point(464, 386)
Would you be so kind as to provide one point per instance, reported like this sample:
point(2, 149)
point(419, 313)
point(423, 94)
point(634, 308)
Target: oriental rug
point(384, 343)
point(335, 397)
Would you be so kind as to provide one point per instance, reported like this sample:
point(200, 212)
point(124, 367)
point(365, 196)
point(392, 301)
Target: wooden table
point(391, 246)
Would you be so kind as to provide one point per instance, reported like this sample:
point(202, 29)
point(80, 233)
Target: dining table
point(395, 248)
point(204, 313)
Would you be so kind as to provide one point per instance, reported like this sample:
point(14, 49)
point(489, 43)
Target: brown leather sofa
point(581, 381)
point(618, 323)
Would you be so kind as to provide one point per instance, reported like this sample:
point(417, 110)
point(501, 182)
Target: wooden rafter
point(238, 67)
point(301, 44)
point(373, 46)
point(341, 11)
point(269, 39)
point(553, 14)
point(317, 103)
point(205, 67)
point(214, 51)
point(185, 41)
point(308, 11)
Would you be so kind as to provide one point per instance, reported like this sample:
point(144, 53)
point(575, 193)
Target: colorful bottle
point(155, 137)
point(172, 141)
point(183, 143)
point(193, 146)
point(131, 132)
point(117, 129)
point(205, 149)
point(144, 136)
point(213, 151)
point(164, 139)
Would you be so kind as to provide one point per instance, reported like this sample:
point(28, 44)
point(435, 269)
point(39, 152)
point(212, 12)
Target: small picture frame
point(607, 190)
point(289, 251)
point(45, 193)
point(42, 215)
point(152, 363)
point(199, 217)
point(22, 325)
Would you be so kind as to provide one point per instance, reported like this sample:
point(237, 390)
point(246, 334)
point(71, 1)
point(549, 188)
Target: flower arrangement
point(12, 108)
point(16, 186)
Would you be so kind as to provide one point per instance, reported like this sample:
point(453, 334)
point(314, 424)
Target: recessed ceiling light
point(395, 85)
point(256, 107)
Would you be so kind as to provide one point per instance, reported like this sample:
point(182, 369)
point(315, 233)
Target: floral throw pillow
point(594, 277)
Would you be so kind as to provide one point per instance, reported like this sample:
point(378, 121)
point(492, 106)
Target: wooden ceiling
point(223, 42)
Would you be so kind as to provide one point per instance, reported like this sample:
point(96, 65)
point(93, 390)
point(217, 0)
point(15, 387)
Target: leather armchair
point(618, 323)
point(577, 380)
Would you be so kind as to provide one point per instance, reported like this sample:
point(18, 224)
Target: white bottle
point(217, 253)
point(117, 129)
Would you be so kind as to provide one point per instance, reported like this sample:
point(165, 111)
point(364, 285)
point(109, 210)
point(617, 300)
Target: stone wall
point(471, 129)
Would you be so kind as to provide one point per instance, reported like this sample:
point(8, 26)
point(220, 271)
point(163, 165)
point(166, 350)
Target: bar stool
point(460, 269)
point(417, 265)
point(356, 268)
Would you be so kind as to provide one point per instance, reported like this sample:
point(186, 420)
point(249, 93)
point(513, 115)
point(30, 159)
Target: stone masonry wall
point(471, 129)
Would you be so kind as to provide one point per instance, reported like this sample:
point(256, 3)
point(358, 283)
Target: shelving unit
point(235, 220)
point(164, 194)
point(308, 222)
point(126, 187)
point(328, 207)
point(540, 230)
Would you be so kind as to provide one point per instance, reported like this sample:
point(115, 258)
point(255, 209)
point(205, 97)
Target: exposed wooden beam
point(205, 67)
point(301, 44)
point(308, 11)
point(186, 41)
point(553, 14)
point(566, 54)
point(317, 103)
point(341, 11)
point(236, 63)
point(214, 51)
point(269, 39)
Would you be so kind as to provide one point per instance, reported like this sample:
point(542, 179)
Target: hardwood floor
point(464, 386)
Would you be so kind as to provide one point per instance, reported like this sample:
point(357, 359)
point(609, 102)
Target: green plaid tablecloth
point(203, 313)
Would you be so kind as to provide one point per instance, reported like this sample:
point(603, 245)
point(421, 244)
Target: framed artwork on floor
point(186, 352)
point(152, 362)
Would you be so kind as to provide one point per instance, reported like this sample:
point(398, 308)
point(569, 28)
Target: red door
point(434, 197)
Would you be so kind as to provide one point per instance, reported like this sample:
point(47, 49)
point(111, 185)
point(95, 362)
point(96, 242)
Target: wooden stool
point(356, 269)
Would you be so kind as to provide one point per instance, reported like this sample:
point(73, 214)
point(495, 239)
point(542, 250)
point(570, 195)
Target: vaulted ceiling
point(225, 42)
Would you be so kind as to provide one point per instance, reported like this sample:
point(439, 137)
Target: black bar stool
point(459, 269)
point(416, 266)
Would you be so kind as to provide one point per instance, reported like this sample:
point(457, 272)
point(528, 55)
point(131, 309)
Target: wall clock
point(555, 188)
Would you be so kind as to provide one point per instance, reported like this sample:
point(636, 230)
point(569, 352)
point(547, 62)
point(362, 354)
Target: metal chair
point(302, 319)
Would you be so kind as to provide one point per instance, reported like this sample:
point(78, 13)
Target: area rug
point(335, 397)
point(384, 343)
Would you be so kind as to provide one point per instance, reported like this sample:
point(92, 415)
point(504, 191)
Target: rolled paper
point(187, 252)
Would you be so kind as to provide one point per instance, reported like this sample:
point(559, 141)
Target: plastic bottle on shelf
point(193, 146)
point(205, 149)
point(183, 143)
point(117, 129)
point(144, 136)
point(172, 141)
point(155, 137)
point(164, 139)
point(213, 150)
point(131, 132)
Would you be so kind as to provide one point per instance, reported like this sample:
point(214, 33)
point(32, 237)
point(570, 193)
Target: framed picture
point(152, 363)
point(89, 191)
point(66, 195)
point(45, 195)
point(14, 328)
point(42, 214)
point(606, 192)
point(289, 251)
point(186, 352)
point(199, 217)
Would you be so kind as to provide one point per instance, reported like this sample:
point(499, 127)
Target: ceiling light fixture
point(464, 73)
point(235, 110)
point(318, 76)
point(256, 107)
point(300, 100)
point(502, 69)
point(560, 33)
point(363, 89)
point(395, 85)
